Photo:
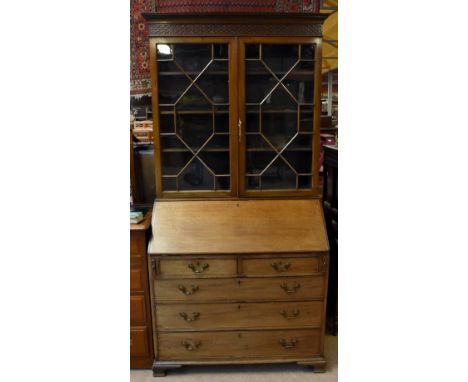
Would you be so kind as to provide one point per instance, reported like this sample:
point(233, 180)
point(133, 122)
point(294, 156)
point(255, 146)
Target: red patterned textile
point(139, 51)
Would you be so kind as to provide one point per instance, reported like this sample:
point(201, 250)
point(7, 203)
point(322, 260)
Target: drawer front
point(239, 345)
point(139, 342)
point(281, 288)
point(198, 268)
point(136, 280)
point(137, 243)
point(227, 316)
point(297, 266)
point(137, 310)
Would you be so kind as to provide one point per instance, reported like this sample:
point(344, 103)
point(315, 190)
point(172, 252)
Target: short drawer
point(243, 315)
point(297, 266)
point(136, 279)
point(139, 346)
point(137, 310)
point(239, 345)
point(197, 267)
point(245, 289)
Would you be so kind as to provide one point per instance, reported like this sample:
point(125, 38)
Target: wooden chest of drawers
point(141, 344)
point(226, 290)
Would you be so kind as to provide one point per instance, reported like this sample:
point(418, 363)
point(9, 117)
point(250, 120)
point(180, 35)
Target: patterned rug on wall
point(139, 53)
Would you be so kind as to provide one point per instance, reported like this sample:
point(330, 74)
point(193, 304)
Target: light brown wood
point(174, 317)
point(244, 226)
point(248, 289)
point(240, 344)
point(198, 267)
point(282, 266)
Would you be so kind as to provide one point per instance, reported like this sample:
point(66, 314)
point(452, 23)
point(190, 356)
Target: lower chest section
point(238, 307)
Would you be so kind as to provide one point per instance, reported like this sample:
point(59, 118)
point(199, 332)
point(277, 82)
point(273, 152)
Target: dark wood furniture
point(330, 206)
point(239, 255)
point(141, 343)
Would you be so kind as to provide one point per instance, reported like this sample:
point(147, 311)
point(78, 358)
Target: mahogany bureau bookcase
point(238, 259)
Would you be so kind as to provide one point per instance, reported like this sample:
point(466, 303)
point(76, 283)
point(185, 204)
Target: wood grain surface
point(242, 344)
point(237, 316)
point(248, 289)
point(243, 226)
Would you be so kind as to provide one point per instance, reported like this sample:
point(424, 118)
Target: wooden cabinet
point(218, 297)
point(141, 343)
point(239, 252)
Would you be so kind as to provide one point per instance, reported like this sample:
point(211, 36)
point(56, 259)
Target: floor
point(257, 373)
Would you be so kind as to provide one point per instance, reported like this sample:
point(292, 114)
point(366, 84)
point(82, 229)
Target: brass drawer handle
point(198, 268)
point(191, 345)
point(288, 344)
point(291, 316)
point(290, 290)
point(185, 316)
point(280, 267)
point(188, 292)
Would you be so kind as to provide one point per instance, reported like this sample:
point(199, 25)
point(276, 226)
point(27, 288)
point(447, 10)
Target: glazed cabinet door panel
point(279, 100)
point(195, 104)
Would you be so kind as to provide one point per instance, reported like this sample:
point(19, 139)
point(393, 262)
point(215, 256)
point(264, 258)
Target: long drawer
point(239, 345)
point(240, 289)
point(228, 316)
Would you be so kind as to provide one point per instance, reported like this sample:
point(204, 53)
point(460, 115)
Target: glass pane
point(222, 119)
point(164, 52)
point(223, 183)
point(307, 118)
point(257, 161)
point(279, 110)
point(300, 82)
point(193, 83)
point(221, 51)
point(166, 122)
point(252, 51)
point(305, 182)
point(253, 182)
point(194, 99)
point(280, 57)
point(279, 128)
point(300, 160)
point(171, 83)
point(194, 129)
point(172, 143)
point(196, 177)
point(279, 176)
point(308, 51)
point(252, 116)
point(258, 83)
point(193, 58)
point(214, 82)
point(217, 161)
point(169, 184)
point(174, 161)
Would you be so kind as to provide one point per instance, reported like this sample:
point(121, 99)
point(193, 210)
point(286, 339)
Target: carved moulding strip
point(168, 30)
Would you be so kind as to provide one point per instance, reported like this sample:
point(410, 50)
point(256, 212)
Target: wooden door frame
point(233, 116)
point(315, 191)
